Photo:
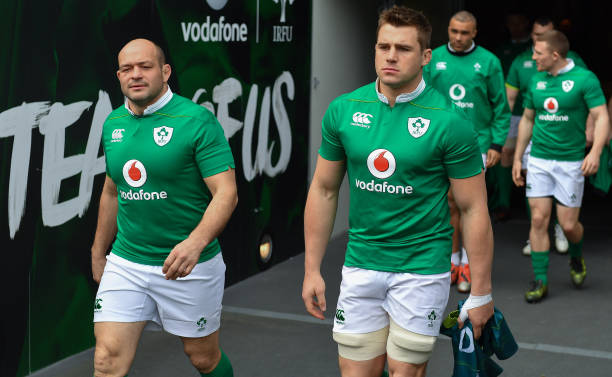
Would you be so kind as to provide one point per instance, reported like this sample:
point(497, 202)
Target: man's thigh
point(567, 215)
point(116, 344)
point(191, 306)
point(541, 206)
point(569, 183)
point(416, 302)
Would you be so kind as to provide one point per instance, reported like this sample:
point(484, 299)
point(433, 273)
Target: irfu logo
point(98, 305)
point(201, 323)
point(432, 317)
point(340, 316)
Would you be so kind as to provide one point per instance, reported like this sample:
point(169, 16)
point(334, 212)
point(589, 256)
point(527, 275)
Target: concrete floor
point(267, 332)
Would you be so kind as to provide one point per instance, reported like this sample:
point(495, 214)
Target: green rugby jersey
point(561, 105)
point(158, 162)
point(521, 71)
point(474, 82)
point(398, 163)
point(510, 50)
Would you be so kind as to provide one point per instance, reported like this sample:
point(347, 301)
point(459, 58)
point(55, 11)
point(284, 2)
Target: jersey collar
point(568, 67)
point(161, 102)
point(404, 97)
point(461, 53)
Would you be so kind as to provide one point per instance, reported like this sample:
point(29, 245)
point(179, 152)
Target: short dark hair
point(543, 21)
point(465, 16)
point(403, 16)
point(557, 42)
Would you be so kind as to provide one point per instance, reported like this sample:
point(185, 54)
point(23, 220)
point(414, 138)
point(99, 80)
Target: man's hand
point(98, 261)
point(517, 173)
point(313, 294)
point(590, 164)
point(493, 157)
point(479, 317)
point(182, 259)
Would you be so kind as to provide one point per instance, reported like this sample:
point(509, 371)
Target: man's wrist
point(496, 147)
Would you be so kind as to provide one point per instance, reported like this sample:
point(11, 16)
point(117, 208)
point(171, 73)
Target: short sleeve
point(331, 146)
point(212, 151)
point(512, 79)
point(593, 94)
point(462, 158)
point(528, 98)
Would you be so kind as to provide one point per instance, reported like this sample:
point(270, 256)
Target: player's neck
point(392, 92)
point(139, 108)
point(558, 66)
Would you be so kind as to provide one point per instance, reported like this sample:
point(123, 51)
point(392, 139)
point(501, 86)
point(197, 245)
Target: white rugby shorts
point(369, 298)
point(187, 307)
point(561, 179)
point(514, 126)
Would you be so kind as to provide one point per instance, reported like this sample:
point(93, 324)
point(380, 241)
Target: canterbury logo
point(362, 118)
point(117, 134)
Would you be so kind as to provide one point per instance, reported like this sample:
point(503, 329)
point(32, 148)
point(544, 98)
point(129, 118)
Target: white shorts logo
point(418, 126)
point(134, 173)
point(381, 163)
point(162, 135)
point(567, 85)
point(452, 92)
point(551, 105)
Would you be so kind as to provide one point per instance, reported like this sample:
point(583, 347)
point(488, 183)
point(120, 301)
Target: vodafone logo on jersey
point(551, 105)
point(381, 163)
point(134, 173)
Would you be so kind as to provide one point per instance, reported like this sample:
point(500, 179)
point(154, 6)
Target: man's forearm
point(478, 238)
point(524, 134)
point(600, 134)
point(107, 224)
point(215, 218)
point(319, 216)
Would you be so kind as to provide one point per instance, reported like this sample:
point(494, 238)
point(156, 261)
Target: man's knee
point(203, 359)
point(539, 220)
point(409, 347)
point(569, 226)
point(108, 361)
point(361, 347)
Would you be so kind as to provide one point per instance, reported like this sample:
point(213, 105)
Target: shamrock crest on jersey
point(162, 135)
point(418, 126)
point(567, 85)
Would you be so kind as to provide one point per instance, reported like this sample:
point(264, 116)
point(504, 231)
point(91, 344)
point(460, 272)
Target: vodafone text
point(142, 195)
point(383, 187)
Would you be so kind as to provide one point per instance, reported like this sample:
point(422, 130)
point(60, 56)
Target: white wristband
point(473, 302)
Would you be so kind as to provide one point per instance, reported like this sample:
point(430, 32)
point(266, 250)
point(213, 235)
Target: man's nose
point(136, 72)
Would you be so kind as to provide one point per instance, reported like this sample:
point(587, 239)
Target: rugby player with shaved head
point(169, 191)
